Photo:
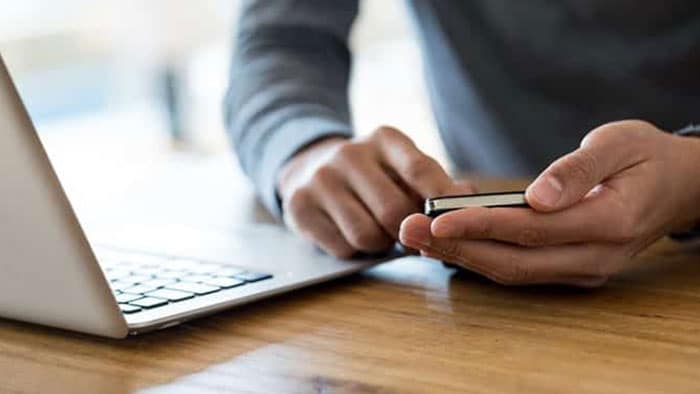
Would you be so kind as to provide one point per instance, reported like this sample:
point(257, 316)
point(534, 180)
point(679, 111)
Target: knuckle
point(451, 250)
point(514, 273)
point(604, 268)
point(603, 271)
point(531, 237)
point(324, 175)
point(299, 200)
point(604, 131)
point(580, 166)
point(521, 273)
point(385, 132)
point(629, 225)
point(391, 215)
point(592, 282)
point(419, 166)
point(468, 187)
point(341, 251)
point(628, 229)
point(483, 229)
point(364, 237)
point(631, 127)
point(595, 266)
point(350, 152)
point(622, 131)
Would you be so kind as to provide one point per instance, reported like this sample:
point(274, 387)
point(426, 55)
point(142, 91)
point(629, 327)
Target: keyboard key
point(149, 302)
point(171, 295)
point(196, 288)
point(229, 271)
point(126, 297)
point(158, 282)
point(197, 278)
point(139, 289)
point(171, 274)
point(126, 308)
point(117, 286)
point(224, 282)
point(250, 276)
point(117, 273)
point(137, 278)
point(149, 271)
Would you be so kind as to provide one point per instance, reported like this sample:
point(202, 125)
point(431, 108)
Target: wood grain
point(410, 326)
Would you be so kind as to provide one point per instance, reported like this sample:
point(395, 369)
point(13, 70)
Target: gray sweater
point(513, 84)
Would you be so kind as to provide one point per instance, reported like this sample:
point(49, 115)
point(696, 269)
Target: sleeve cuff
point(282, 144)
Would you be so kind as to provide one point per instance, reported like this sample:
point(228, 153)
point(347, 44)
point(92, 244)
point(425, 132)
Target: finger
point(509, 264)
point(459, 187)
point(420, 172)
point(304, 216)
point(603, 153)
point(515, 265)
point(415, 232)
point(357, 225)
point(386, 201)
point(318, 227)
point(597, 218)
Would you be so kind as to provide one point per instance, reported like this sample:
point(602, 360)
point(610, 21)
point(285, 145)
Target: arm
point(288, 95)
point(288, 86)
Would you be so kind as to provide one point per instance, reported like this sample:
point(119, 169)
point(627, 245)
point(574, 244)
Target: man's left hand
point(594, 209)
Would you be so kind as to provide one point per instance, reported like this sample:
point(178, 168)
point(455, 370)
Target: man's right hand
point(350, 196)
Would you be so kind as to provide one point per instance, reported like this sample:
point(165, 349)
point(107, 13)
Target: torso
point(517, 84)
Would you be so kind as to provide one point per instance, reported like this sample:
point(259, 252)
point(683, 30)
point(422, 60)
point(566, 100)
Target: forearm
point(288, 83)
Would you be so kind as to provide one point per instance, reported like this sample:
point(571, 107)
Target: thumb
point(566, 181)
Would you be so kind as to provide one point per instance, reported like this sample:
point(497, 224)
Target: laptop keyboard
point(145, 281)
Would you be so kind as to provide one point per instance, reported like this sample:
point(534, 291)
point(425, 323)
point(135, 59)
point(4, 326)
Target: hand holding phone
point(435, 207)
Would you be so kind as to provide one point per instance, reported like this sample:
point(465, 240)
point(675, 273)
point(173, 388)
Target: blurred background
point(122, 90)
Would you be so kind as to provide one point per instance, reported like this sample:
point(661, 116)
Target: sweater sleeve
point(288, 85)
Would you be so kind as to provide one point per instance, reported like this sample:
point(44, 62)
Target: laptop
point(51, 274)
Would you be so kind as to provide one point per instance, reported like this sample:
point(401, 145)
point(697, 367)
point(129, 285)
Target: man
point(514, 86)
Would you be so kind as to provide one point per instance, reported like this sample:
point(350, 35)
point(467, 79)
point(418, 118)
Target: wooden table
point(410, 326)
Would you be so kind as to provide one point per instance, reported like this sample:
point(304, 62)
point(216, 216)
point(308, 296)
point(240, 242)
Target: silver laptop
point(50, 274)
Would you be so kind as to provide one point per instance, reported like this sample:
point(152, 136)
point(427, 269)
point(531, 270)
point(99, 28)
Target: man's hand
point(351, 196)
point(593, 210)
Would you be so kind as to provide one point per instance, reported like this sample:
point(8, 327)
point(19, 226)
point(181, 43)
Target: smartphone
point(439, 205)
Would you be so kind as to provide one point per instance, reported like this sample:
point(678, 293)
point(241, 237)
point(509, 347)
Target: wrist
point(695, 167)
point(689, 157)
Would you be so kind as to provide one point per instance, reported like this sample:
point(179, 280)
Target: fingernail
point(547, 191)
point(415, 236)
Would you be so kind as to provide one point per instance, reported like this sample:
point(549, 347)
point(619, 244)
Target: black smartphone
point(439, 205)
